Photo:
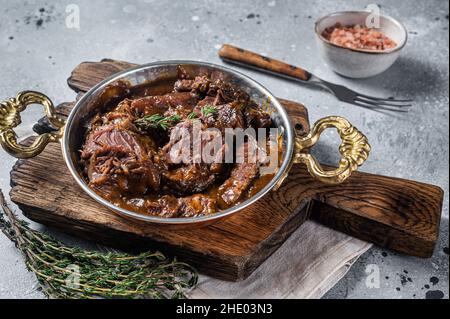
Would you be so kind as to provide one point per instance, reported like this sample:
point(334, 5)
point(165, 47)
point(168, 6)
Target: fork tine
point(378, 102)
point(403, 108)
point(385, 100)
point(377, 109)
point(381, 108)
point(375, 106)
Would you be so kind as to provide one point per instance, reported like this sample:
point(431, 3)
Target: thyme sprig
point(157, 121)
point(162, 122)
point(209, 109)
point(192, 116)
point(71, 272)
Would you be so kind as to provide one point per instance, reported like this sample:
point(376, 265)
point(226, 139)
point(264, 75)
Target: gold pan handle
point(354, 150)
point(10, 118)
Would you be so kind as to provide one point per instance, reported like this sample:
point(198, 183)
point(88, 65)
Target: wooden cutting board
point(394, 213)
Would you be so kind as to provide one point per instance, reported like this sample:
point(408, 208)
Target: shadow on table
point(409, 77)
point(393, 282)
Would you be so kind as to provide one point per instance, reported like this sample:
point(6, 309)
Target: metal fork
point(258, 62)
point(344, 94)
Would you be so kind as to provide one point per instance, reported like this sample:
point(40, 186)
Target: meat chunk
point(169, 206)
point(230, 116)
point(257, 118)
point(115, 172)
point(121, 116)
point(159, 104)
point(209, 100)
point(187, 172)
point(112, 136)
point(193, 178)
point(197, 205)
point(241, 177)
point(222, 92)
point(181, 136)
point(118, 161)
point(222, 116)
point(200, 85)
point(227, 92)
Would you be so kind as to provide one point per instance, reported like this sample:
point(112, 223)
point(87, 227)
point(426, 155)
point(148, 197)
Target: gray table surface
point(38, 51)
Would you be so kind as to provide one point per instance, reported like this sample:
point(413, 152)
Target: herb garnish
point(164, 122)
point(209, 109)
point(70, 272)
point(157, 121)
point(192, 116)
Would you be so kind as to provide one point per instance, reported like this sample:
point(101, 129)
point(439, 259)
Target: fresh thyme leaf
point(71, 272)
point(209, 109)
point(192, 116)
point(157, 121)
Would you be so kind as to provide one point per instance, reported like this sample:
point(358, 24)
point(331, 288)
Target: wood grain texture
point(88, 74)
point(398, 214)
point(254, 60)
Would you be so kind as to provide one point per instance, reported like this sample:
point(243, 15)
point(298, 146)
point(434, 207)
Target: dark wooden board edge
point(235, 268)
point(403, 231)
point(379, 234)
point(109, 67)
point(272, 243)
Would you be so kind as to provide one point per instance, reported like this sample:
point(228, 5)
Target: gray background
point(38, 51)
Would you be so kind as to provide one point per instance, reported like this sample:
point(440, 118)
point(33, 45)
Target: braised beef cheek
point(126, 154)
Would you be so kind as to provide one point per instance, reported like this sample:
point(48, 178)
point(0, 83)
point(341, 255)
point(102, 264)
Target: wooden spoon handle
point(254, 60)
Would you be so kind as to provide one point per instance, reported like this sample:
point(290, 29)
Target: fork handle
point(254, 60)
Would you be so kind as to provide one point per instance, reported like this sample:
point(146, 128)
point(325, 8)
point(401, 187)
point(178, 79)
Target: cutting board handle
point(399, 214)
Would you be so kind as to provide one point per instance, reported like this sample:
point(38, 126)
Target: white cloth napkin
point(311, 261)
